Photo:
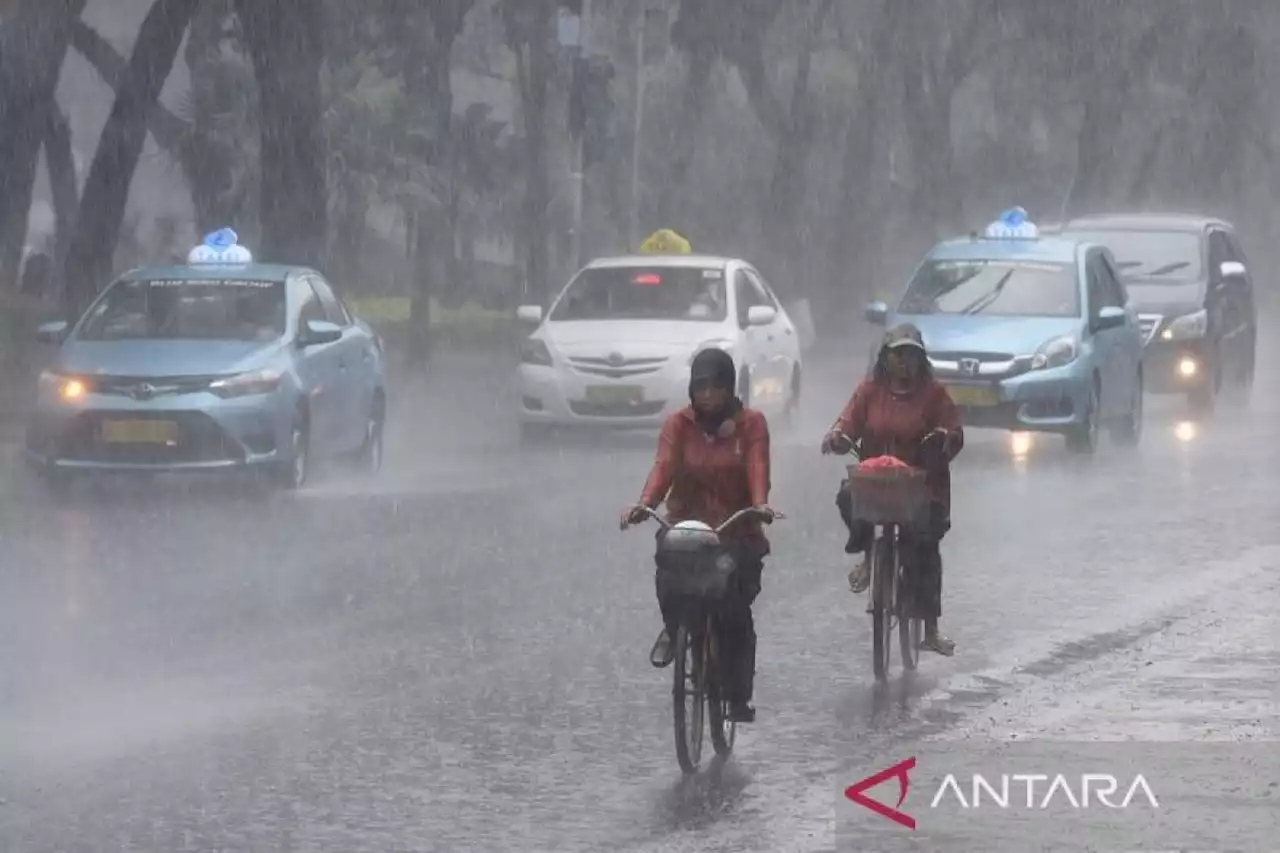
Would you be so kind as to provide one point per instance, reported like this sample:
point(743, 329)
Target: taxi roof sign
point(664, 241)
point(220, 247)
point(1013, 224)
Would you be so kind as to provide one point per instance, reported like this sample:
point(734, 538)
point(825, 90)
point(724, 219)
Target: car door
point(352, 403)
point(780, 337)
point(1129, 341)
point(1106, 351)
point(753, 341)
point(1234, 297)
point(317, 365)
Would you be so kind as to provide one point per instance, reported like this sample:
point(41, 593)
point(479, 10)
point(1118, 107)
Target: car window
point(188, 309)
point(764, 292)
point(1219, 251)
point(334, 311)
point(306, 303)
point(748, 295)
point(1150, 255)
point(645, 293)
point(993, 288)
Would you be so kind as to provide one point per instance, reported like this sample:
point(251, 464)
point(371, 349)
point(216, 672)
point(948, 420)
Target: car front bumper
point(188, 432)
point(1176, 367)
point(1053, 400)
point(562, 396)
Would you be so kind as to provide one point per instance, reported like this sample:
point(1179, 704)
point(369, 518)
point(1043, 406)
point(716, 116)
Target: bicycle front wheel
point(723, 730)
point(883, 563)
point(688, 699)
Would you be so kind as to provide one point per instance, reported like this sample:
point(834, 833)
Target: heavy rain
point(310, 476)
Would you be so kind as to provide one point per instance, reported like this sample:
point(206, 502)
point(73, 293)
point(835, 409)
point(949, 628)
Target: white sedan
point(615, 348)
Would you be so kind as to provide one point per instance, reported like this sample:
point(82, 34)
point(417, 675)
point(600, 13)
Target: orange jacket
point(893, 425)
point(709, 478)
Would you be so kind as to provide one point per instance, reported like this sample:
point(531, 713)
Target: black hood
point(715, 366)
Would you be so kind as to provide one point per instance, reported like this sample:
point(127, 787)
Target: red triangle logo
point(855, 792)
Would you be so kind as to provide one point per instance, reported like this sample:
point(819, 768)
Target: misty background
point(427, 150)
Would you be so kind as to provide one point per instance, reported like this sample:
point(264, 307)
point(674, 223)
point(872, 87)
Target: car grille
point(617, 368)
point(981, 357)
point(616, 410)
point(148, 387)
point(200, 439)
point(1148, 324)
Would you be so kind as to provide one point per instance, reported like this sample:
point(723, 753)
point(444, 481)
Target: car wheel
point(793, 401)
point(368, 458)
point(1083, 439)
point(744, 387)
point(293, 474)
point(1128, 432)
point(1204, 400)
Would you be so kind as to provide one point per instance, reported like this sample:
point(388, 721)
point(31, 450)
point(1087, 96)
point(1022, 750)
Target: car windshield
point(994, 288)
point(188, 309)
point(1155, 255)
point(645, 293)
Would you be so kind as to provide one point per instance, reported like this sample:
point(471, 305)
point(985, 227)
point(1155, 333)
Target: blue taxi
point(222, 364)
point(1029, 333)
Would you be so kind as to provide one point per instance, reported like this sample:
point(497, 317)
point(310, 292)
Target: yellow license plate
point(969, 395)
point(139, 432)
point(613, 395)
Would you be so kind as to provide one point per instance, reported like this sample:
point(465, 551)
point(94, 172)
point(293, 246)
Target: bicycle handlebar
point(652, 513)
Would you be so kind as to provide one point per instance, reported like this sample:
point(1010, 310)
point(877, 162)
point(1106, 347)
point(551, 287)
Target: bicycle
point(699, 568)
point(889, 499)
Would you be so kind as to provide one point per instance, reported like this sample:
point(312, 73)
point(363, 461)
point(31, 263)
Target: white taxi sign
point(221, 247)
point(1013, 224)
point(664, 241)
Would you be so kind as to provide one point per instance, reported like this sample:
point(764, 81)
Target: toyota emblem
point(145, 391)
point(969, 366)
point(616, 359)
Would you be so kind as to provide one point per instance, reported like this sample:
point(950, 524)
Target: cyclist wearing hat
point(713, 460)
point(902, 411)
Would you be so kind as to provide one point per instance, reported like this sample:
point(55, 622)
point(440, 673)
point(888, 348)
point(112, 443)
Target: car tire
point(744, 387)
point(1128, 431)
point(293, 474)
point(1204, 400)
point(792, 407)
point(1083, 439)
point(368, 459)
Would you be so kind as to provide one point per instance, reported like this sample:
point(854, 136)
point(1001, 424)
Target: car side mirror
point(876, 313)
point(761, 315)
point(1232, 269)
point(529, 313)
point(1110, 317)
point(52, 332)
point(316, 332)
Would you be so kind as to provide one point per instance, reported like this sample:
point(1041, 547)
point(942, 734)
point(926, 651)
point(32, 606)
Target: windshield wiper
point(1168, 268)
point(1124, 265)
point(987, 298)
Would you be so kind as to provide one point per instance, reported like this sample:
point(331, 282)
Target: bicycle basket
point(703, 574)
point(889, 495)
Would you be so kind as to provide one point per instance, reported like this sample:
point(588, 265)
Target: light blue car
point(1029, 334)
point(224, 364)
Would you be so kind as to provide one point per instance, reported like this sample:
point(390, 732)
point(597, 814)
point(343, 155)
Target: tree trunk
point(106, 190)
point(286, 40)
point(62, 184)
point(32, 47)
point(534, 67)
point(692, 110)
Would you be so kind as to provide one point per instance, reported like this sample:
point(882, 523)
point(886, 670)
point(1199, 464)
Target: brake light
point(648, 279)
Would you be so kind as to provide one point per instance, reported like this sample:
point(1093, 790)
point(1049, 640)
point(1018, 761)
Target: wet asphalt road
point(452, 657)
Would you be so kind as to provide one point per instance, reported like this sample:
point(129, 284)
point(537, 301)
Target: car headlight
point(246, 384)
point(1055, 353)
point(1187, 327)
point(534, 351)
point(66, 388)
point(722, 343)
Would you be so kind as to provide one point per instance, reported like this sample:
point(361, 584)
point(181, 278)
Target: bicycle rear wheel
point(723, 730)
point(882, 574)
point(688, 699)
